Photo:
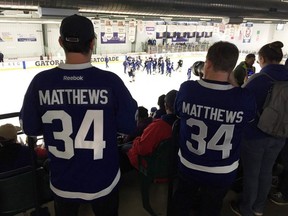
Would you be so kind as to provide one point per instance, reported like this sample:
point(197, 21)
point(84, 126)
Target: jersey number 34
point(213, 144)
point(92, 117)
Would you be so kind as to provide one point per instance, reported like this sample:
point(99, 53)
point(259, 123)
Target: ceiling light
point(28, 7)
point(205, 19)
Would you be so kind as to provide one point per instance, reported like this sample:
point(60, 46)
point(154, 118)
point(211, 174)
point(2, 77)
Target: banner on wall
point(232, 32)
point(191, 31)
point(180, 37)
point(208, 31)
point(6, 37)
point(247, 33)
point(150, 29)
point(26, 38)
point(108, 30)
point(112, 32)
point(200, 31)
point(179, 34)
point(132, 31)
point(216, 28)
point(160, 30)
point(171, 29)
point(222, 28)
point(115, 39)
point(120, 28)
point(140, 26)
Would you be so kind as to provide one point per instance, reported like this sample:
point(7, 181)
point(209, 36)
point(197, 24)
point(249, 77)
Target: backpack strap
point(269, 94)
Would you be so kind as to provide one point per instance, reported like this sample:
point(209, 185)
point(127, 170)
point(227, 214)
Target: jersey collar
point(216, 85)
point(75, 66)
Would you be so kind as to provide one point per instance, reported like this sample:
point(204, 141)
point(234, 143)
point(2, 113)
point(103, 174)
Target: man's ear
point(208, 64)
point(60, 41)
point(92, 44)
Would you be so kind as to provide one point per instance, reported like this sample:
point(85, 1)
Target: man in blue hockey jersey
point(79, 109)
point(212, 113)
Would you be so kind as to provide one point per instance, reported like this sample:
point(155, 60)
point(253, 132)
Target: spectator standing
point(1, 57)
point(258, 149)
point(79, 109)
point(245, 69)
point(212, 115)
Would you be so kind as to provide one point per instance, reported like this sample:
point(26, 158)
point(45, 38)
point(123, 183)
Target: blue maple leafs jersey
point(213, 115)
point(79, 109)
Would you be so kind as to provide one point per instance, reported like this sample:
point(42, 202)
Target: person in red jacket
point(157, 131)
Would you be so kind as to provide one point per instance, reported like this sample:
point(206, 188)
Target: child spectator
point(13, 154)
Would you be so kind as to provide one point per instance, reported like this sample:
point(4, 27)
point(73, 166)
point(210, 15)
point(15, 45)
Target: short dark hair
point(142, 112)
point(223, 55)
point(250, 55)
point(170, 100)
point(272, 51)
point(161, 101)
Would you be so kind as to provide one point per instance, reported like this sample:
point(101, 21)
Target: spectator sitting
point(158, 130)
point(161, 111)
point(142, 122)
point(152, 111)
point(13, 155)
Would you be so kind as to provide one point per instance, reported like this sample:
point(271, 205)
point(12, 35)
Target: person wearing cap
point(157, 131)
point(13, 155)
point(79, 109)
point(213, 114)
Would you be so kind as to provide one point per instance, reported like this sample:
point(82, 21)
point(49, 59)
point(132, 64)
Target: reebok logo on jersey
point(79, 78)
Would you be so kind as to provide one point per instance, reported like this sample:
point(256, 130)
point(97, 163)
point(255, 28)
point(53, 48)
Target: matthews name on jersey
point(79, 122)
point(212, 117)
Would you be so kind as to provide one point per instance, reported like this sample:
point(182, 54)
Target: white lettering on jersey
point(212, 113)
point(73, 96)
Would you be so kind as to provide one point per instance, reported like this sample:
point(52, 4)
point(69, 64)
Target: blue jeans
point(191, 195)
point(258, 157)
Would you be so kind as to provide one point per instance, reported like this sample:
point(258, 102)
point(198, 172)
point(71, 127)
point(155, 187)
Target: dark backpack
point(274, 118)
